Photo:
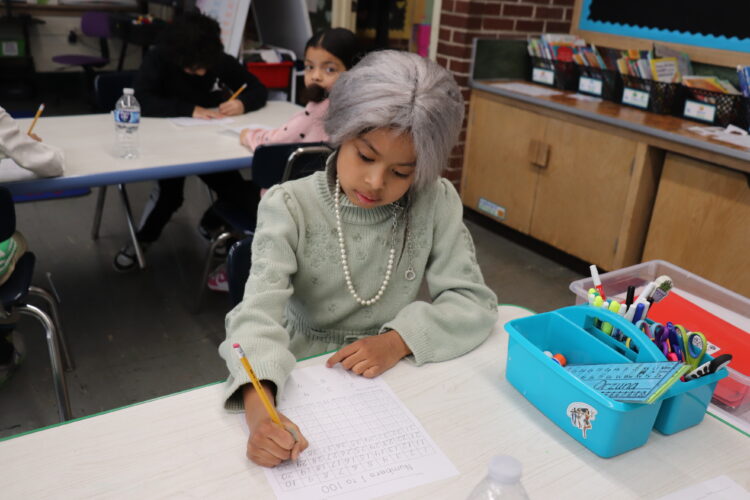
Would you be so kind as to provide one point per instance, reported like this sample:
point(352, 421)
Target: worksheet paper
point(193, 122)
point(253, 126)
point(718, 488)
point(364, 442)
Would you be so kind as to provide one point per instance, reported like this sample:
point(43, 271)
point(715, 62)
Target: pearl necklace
point(344, 260)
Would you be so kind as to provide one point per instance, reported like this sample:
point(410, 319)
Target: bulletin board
point(716, 32)
point(231, 16)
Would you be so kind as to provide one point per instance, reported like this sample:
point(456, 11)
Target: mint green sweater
point(296, 302)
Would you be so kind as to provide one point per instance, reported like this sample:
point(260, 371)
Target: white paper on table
point(717, 488)
point(11, 171)
point(526, 88)
point(584, 97)
point(364, 442)
point(240, 128)
point(192, 122)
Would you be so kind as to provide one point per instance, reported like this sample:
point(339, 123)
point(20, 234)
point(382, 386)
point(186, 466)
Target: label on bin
point(581, 415)
point(545, 76)
point(635, 97)
point(590, 85)
point(699, 111)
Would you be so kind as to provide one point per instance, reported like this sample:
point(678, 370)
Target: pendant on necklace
point(410, 274)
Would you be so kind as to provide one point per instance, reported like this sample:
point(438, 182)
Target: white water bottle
point(503, 481)
point(127, 118)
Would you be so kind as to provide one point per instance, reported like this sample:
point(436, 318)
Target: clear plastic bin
point(725, 304)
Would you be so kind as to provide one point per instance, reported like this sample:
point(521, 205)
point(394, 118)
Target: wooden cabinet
point(580, 189)
point(701, 221)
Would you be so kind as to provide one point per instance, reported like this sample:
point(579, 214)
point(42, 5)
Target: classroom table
point(166, 150)
point(186, 445)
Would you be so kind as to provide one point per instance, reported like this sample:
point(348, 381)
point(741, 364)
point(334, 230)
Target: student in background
point(338, 257)
point(29, 153)
point(186, 74)
point(327, 54)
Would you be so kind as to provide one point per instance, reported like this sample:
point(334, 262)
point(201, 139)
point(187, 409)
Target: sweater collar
point(350, 213)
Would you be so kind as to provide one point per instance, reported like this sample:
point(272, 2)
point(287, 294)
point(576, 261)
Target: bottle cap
point(127, 91)
point(505, 469)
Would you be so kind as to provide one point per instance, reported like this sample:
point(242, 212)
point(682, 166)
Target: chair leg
point(68, 362)
point(131, 225)
point(222, 238)
point(58, 374)
point(98, 213)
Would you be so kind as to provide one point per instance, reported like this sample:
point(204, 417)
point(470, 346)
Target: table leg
point(131, 226)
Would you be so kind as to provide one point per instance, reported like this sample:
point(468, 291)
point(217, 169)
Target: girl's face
point(376, 168)
point(322, 68)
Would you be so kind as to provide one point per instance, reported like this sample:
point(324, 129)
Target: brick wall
point(463, 20)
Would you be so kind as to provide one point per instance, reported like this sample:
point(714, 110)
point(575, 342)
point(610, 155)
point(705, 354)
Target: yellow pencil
point(259, 389)
point(36, 117)
point(239, 91)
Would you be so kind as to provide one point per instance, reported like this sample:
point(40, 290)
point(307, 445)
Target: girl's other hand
point(205, 113)
point(232, 108)
point(371, 356)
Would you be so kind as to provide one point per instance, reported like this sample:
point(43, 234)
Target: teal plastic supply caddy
point(603, 425)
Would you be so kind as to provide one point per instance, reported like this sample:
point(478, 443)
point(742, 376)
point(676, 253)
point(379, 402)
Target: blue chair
point(238, 269)
point(13, 299)
point(272, 164)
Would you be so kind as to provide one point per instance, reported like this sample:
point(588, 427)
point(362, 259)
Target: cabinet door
point(497, 164)
point(582, 194)
point(701, 221)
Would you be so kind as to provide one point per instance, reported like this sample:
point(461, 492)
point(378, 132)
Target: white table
point(185, 445)
point(166, 150)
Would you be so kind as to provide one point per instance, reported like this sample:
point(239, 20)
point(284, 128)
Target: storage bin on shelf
point(603, 425)
point(732, 394)
point(600, 82)
point(559, 74)
point(715, 108)
point(658, 97)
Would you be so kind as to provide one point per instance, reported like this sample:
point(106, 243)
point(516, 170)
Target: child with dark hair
point(327, 54)
point(186, 74)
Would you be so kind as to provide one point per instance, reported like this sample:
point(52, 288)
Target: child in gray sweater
point(338, 257)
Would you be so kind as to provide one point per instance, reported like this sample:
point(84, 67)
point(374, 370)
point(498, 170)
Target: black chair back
point(7, 214)
point(108, 88)
point(238, 269)
point(275, 163)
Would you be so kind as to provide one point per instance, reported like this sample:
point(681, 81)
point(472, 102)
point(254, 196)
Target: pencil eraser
point(235, 345)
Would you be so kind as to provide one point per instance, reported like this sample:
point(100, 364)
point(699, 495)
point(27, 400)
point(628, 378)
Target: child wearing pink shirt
point(327, 54)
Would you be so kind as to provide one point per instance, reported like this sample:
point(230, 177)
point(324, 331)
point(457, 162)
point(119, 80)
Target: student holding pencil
point(338, 258)
point(28, 151)
point(187, 73)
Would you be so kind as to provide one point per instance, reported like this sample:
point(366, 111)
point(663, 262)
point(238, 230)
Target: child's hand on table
point(371, 356)
point(205, 113)
point(232, 108)
point(268, 444)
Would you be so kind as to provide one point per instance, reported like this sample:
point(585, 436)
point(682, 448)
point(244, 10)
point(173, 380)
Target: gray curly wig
point(405, 92)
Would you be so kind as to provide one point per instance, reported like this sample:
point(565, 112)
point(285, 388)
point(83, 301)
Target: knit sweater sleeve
point(257, 323)
point(463, 309)
point(42, 159)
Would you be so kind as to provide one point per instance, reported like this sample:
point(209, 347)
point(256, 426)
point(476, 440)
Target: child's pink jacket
point(305, 126)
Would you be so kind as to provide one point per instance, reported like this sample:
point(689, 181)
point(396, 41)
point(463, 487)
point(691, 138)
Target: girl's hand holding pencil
point(269, 444)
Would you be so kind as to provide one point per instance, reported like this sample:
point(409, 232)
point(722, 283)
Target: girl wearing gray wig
point(401, 91)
